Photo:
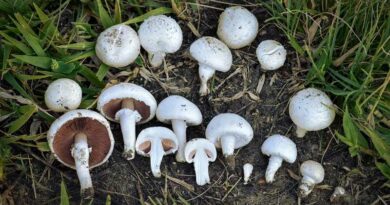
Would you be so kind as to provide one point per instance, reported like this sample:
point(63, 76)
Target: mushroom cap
point(281, 146)
point(110, 101)
point(176, 107)
point(165, 135)
point(97, 129)
point(237, 27)
point(212, 52)
point(311, 109)
point(63, 95)
point(271, 54)
point(313, 170)
point(229, 124)
point(199, 144)
point(160, 34)
point(118, 46)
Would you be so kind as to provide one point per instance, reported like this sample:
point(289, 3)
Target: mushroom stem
point(273, 165)
point(300, 132)
point(205, 73)
point(179, 128)
point(227, 145)
point(80, 154)
point(201, 164)
point(306, 186)
point(156, 59)
point(156, 154)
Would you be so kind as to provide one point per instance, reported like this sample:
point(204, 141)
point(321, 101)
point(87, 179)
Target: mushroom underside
point(113, 106)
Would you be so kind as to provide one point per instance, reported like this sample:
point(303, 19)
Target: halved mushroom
point(200, 152)
point(155, 142)
point(81, 140)
point(128, 104)
point(63, 95)
point(181, 113)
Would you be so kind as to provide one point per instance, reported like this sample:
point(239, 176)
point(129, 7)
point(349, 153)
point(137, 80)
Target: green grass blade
point(27, 112)
point(15, 85)
point(38, 61)
point(64, 194)
point(102, 72)
point(103, 15)
point(79, 46)
point(19, 45)
point(90, 76)
point(118, 12)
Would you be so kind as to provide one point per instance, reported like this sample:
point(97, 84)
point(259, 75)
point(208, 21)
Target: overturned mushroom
point(312, 173)
point(271, 55)
point(63, 95)
point(128, 104)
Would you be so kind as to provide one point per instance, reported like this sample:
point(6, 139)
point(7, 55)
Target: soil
point(130, 182)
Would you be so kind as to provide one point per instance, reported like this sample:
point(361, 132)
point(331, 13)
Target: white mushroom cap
point(197, 145)
point(95, 126)
point(109, 101)
point(118, 46)
point(281, 146)
point(63, 95)
point(312, 171)
point(271, 54)
point(159, 35)
point(237, 27)
point(163, 134)
point(311, 109)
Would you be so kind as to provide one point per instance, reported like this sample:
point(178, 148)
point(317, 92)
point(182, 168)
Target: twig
point(231, 189)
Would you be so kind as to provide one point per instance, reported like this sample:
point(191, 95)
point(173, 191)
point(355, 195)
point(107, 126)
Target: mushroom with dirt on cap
point(311, 110)
point(63, 95)
point(128, 104)
point(279, 148)
point(155, 142)
point(160, 35)
point(200, 152)
point(271, 55)
point(229, 131)
point(312, 173)
point(212, 55)
point(81, 140)
point(181, 113)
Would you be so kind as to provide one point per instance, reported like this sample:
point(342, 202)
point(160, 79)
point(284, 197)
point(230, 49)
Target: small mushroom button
point(63, 95)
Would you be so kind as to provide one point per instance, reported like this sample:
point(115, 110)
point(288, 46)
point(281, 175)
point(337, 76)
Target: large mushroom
point(81, 140)
point(128, 104)
point(179, 112)
point(160, 35)
point(200, 152)
point(212, 55)
point(155, 142)
point(63, 95)
point(311, 110)
point(229, 131)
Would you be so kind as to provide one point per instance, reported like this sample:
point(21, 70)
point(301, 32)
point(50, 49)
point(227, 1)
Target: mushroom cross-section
point(312, 173)
point(118, 46)
point(311, 110)
point(81, 140)
point(229, 131)
point(271, 55)
point(200, 152)
point(63, 95)
point(155, 142)
point(212, 55)
point(160, 35)
point(179, 112)
point(128, 104)
point(279, 148)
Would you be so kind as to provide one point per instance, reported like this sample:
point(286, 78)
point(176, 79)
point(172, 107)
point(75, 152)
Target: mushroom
point(200, 152)
point(211, 54)
point(312, 173)
point(271, 55)
point(155, 142)
point(237, 27)
point(311, 110)
point(279, 148)
point(128, 104)
point(229, 131)
point(118, 46)
point(179, 112)
point(81, 140)
point(160, 35)
point(63, 95)
point(248, 168)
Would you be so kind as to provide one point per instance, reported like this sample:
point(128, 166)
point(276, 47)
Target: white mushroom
point(118, 46)
point(311, 110)
point(229, 131)
point(179, 112)
point(128, 104)
point(312, 173)
point(160, 35)
point(212, 55)
point(338, 195)
point(248, 168)
point(156, 142)
point(237, 27)
point(279, 148)
point(63, 95)
point(200, 152)
point(271, 55)
point(81, 140)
